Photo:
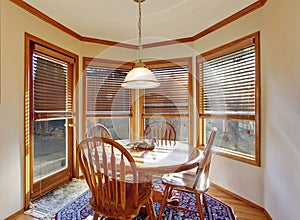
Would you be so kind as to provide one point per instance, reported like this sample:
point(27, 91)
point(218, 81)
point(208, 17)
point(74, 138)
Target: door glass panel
point(50, 147)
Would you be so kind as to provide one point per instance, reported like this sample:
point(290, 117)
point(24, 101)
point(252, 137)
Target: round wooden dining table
point(163, 159)
point(170, 158)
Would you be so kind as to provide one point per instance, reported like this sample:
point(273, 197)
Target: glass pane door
point(52, 154)
point(50, 148)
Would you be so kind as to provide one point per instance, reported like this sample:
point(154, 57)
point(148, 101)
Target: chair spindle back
point(204, 164)
point(162, 131)
point(107, 167)
point(98, 130)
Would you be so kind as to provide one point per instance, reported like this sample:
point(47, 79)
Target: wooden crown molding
point(207, 31)
point(213, 28)
point(63, 28)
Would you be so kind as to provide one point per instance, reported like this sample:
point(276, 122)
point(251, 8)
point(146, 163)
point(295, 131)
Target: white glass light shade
point(140, 78)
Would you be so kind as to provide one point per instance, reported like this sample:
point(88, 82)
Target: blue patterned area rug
point(80, 209)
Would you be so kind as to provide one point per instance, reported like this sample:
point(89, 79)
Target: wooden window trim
point(109, 64)
point(252, 39)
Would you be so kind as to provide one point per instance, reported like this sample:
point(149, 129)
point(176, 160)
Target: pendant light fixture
point(140, 77)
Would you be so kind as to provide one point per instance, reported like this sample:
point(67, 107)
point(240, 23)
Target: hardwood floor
point(243, 210)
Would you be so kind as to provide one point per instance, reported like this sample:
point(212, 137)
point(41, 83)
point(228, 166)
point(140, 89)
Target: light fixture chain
point(140, 77)
point(140, 32)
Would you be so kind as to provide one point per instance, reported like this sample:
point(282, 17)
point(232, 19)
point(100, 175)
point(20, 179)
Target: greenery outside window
point(228, 91)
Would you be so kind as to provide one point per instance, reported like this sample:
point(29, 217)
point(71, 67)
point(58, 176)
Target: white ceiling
point(116, 20)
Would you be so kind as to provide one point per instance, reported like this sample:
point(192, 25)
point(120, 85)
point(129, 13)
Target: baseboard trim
point(243, 199)
point(15, 215)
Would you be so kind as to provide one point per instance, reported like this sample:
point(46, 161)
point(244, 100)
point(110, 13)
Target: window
point(106, 101)
point(49, 83)
point(170, 101)
point(229, 98)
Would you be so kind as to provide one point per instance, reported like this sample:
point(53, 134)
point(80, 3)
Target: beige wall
point(281, 139)
point(274, 185)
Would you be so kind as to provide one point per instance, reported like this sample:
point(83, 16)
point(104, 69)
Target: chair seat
point(144, 192)
point(185, 180)
point(191, 181)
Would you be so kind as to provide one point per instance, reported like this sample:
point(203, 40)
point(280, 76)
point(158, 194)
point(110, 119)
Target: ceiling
point(117, 20)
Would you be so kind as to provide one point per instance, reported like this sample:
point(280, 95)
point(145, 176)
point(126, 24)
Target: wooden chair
point(163, 132)
point(195, 182)
point(98, 130)
point(111, 174)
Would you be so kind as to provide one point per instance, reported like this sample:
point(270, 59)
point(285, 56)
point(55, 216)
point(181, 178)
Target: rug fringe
point(39, 214)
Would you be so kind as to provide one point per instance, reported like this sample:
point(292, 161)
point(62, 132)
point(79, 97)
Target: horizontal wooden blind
point(227, 84)
point(52, 87)
point(104, 92)
point(172, 96)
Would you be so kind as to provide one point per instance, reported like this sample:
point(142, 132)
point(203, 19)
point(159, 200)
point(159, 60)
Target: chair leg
point(150, 209)
point(163, 202)
point(205, 203)
point(96, 215)
point(199, 206)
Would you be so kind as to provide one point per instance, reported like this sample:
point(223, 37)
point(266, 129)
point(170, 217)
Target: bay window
point(229, 98)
